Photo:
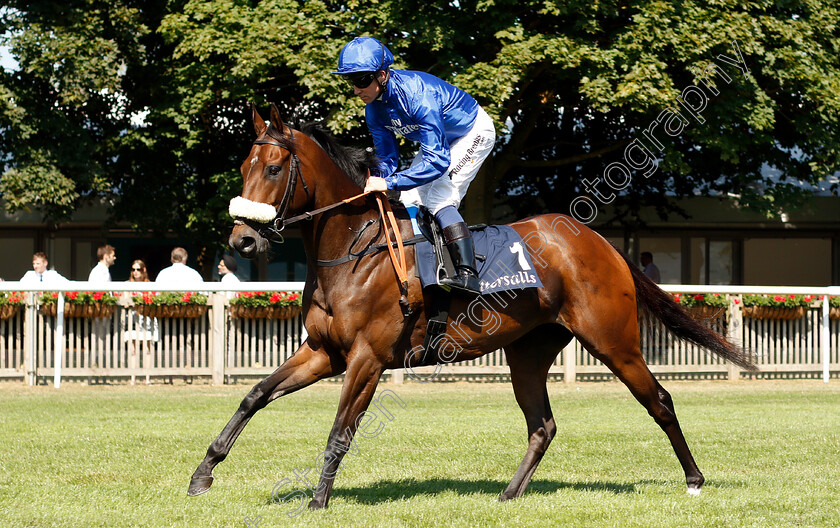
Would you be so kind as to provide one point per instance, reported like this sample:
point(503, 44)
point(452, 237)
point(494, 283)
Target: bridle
point(272, 230)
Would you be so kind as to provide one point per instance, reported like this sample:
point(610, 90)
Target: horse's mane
point(354, 161)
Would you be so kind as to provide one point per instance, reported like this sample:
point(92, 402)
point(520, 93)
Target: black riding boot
point(459, 242)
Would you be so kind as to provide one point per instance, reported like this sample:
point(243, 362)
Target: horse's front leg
point(360, 381)
point(304, 368)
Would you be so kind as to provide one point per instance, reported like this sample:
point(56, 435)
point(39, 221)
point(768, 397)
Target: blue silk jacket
point(422, 108)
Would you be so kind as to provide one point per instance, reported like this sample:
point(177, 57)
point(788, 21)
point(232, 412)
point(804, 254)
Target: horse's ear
point(276, 122)
point(259, 124)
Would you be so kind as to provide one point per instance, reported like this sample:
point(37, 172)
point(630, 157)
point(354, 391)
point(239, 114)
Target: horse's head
point(270, 175)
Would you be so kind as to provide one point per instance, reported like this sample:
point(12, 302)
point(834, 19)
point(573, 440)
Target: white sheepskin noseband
point(244, 208)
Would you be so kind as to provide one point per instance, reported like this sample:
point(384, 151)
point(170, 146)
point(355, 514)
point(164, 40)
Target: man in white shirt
point(651, 270)
point(106, 256)
point(227, 269)
point(178, 272)
point(39, 271)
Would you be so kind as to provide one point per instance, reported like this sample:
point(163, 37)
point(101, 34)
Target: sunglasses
point(136, 269)
point(362, 81)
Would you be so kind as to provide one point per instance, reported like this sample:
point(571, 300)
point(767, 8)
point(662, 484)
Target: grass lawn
point(122, 456)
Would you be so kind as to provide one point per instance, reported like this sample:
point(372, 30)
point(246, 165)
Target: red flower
point(779, 298)
point(275, 298)
point(98, 296)
point(54, 295)
point(791, 296)
point(676, 297)
point(14, 299)
point(699, 297)
point(185, 298)
point(293, 297)
point(736, 301)
point(72, 295)
point(148, 298)
point(808, 298)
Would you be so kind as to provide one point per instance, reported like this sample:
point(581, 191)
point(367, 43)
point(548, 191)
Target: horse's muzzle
point(247, 241)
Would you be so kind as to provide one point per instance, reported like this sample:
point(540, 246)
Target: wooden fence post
point(217, 340)
point(735, 333)
point(29, 315)
point(398, 376)
point(569, 363)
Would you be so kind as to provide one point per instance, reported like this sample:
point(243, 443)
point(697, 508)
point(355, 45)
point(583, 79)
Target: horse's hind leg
point(529, 359)
point(631, 369)
point(304, 368)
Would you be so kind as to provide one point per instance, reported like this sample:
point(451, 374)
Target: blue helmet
point(364, 54)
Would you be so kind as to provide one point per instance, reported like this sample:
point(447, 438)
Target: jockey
point(455, 134)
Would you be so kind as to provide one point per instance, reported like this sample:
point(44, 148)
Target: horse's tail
point(661, 305)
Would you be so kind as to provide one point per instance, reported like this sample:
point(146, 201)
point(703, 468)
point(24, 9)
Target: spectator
point(138, 272)
point(39, 271)
point(106, 256)
point(178, 272)
point(227, 269)
point(142, 330)
point(651, 271)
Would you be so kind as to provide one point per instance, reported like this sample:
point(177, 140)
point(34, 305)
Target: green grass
point(122, 456)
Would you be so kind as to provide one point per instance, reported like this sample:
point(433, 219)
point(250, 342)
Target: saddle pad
point(507, 265)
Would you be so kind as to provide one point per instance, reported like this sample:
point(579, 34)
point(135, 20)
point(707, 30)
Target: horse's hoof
point(693, 491)
point(199, 485)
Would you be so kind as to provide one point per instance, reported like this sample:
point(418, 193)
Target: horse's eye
point(273, 170)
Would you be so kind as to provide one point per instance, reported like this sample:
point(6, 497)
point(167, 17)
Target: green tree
point(146, 102)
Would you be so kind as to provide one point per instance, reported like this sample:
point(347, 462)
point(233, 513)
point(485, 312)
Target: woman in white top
point(227, 269)
point(142, 329)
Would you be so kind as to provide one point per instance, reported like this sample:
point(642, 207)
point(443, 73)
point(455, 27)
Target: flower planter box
point(775, 312)
point(187, 311)
point(834, 313)
point(7, 311)
point(704, 313)
point(80, 310)
point(264, 312)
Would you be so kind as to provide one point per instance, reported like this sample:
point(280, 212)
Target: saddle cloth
point(506, 266)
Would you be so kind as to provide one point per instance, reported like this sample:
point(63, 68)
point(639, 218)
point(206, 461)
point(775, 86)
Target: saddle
point(439, 309)
point(430, 229)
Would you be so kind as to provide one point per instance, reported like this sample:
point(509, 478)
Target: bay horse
point(356, 325)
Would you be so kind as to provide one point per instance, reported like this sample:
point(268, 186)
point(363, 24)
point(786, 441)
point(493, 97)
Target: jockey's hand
point(376, 184)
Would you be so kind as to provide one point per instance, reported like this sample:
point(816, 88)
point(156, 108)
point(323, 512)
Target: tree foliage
point(146, 102)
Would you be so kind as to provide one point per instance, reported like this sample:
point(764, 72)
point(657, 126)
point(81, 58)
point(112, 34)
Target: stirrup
point(465, 281)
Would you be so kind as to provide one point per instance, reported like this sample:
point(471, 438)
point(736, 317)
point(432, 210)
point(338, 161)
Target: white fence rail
point(35, 346)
